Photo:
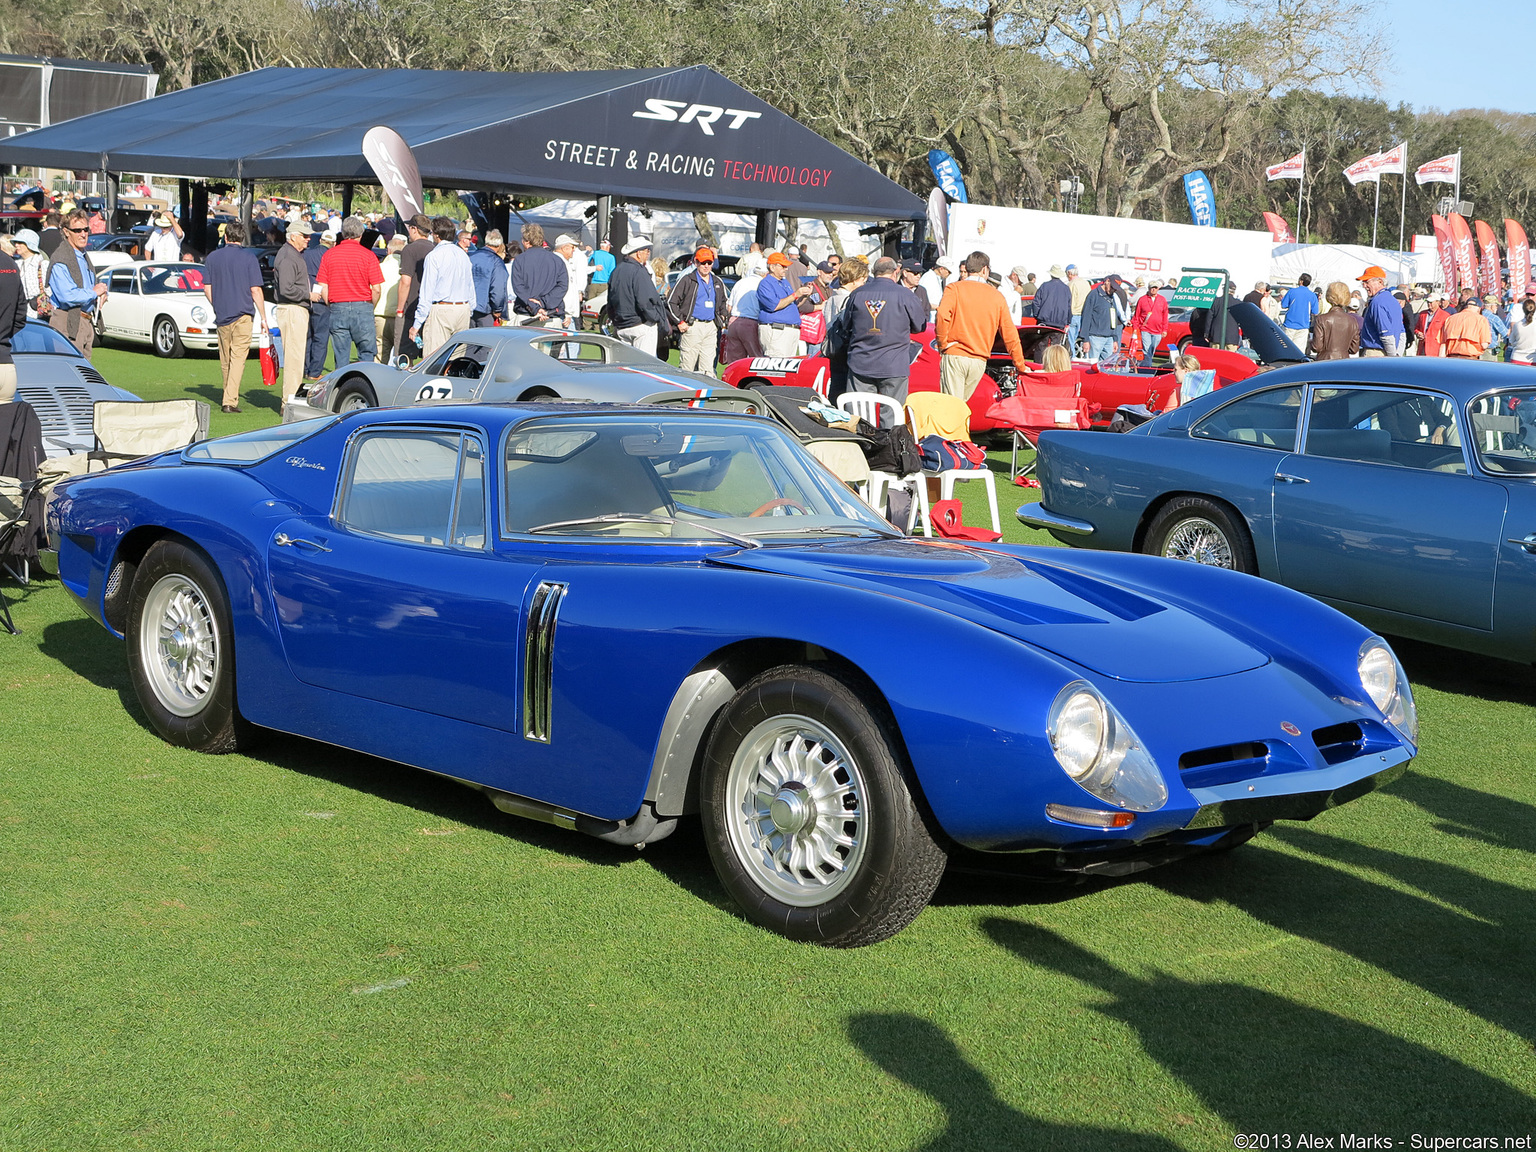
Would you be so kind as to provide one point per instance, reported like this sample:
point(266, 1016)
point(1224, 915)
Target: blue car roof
point(1462, 379)
point(496, 415)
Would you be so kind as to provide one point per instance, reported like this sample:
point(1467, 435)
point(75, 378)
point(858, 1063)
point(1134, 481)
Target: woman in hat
point(165, 241)
point(30, 260)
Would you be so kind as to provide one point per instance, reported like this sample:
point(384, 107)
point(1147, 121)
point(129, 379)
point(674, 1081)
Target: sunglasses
point(706, 262)
point(77, 229)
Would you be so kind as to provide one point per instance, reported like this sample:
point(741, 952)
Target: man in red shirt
point(1151, 320)
point(350, 281)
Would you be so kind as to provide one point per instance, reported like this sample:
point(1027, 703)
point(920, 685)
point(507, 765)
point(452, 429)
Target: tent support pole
point(601, 222)
point(184, 199)
point(247, 203)
point(114, 180)
point(767, 228)
point(346, 199)
point(197, 227)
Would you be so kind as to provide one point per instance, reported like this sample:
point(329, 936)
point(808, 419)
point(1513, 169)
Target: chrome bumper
point(1038, 516)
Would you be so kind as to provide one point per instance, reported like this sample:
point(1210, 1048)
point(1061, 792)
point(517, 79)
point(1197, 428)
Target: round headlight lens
point(1387, 686)
point(1079, 733)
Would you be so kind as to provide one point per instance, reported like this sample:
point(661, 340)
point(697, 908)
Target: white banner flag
point(1288, 169)
point(1377, 165)
point(1446, 170)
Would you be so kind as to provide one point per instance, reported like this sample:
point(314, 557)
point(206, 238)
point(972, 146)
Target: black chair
point(13, 524)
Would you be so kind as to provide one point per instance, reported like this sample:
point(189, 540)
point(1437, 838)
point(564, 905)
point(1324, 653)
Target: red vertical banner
point(1279, 230)
point(1447, 250)
point(1488, 259)
point(1464, 251)
point(1519, 250)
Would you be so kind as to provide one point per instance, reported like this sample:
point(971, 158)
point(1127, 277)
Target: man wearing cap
point(1431, 325)
point(882, 317)
point(911, 280)
point(295, 293)
point(699, 311)
point(1381, 323)
point(971, 317)
point(1151, 320)
point(351, 282)
point(936, 279)
point(1466, 335)
point(1053, 302)
point(577, 269)
point(539, 281)
point(1297, 307)
point(488, 266)
point(633, 303)
point(164, 244)
point(778, 308)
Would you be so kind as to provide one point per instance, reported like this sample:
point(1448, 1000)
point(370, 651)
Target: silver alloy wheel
point(179, 645)
point(165, 336)
point(353, 402)
point(796, 810)
point(1199, 540)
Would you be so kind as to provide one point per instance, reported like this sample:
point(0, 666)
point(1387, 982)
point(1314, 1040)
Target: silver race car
point(502, 364)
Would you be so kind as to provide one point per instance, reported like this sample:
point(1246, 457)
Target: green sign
point(1197, 291)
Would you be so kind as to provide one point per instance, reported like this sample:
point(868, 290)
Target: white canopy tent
point(1329, 262)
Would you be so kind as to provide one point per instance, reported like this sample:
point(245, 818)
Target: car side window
point(1265, 419)
point(121, 281)
point(573, 350)
point(466, 362)
point(1385, 426)
point(418, 486)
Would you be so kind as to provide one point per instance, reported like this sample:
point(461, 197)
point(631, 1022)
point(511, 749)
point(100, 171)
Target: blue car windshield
point(1504, 431)
point(39, 339)
point(694, 478)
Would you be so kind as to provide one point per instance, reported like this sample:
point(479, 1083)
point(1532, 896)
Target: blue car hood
point(1108, 628)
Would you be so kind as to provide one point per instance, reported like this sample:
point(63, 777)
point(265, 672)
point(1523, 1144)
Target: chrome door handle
point(283, 540)
point(1526, 542)
point(1287, 478)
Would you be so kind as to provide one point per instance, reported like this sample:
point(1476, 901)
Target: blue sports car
point(1402, 491)
point(611, 617)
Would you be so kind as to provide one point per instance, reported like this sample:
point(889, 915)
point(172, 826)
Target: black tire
point(1183, 345)
point(539, 394)
point(165, 339)
point(203, 714)
point(1194, 528)
point(888, 874)
point(355, 388)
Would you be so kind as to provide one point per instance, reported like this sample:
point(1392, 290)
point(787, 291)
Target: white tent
point(1329, 262)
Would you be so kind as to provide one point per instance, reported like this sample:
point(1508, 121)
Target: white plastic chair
point(917, 420)
point(867, 406)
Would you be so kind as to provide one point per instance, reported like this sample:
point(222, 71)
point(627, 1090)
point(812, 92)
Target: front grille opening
point(1225, 754)
point(1340, 742)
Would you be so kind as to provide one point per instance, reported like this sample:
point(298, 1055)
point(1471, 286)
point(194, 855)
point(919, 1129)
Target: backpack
point(941, 455)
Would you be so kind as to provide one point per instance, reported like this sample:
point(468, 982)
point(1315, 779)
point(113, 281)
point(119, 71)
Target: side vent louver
point(539, 660)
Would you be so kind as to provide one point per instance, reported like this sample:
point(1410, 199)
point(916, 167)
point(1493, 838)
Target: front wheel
point(810, 822)
point(181, 655)
point(1193, 528)
point(355, 395)
point(167, 340)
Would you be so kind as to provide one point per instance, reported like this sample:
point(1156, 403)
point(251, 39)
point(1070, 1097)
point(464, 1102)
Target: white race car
point(161, 305)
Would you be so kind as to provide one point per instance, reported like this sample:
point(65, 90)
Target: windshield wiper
point(636, 518)
point(834, 530)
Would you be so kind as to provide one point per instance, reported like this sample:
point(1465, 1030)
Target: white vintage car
point(161, 305)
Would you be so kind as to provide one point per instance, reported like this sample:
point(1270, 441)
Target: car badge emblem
point(1289, 729)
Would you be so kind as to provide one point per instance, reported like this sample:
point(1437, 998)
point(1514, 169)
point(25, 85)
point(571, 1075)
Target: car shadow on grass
point(1264, 1063)
point(1466, 673)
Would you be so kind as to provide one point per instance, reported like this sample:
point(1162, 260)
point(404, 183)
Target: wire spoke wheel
point(797, 810)
point(179, 645)
point(1199, 540)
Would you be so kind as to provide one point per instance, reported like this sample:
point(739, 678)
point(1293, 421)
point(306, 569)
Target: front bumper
point(1231, 804)
point(296, 410)
point(1039, 516)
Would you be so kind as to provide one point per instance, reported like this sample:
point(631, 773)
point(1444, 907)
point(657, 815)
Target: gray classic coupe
point(502, 364)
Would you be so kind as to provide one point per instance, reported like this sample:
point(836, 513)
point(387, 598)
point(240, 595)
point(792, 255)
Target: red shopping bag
point(268, 360)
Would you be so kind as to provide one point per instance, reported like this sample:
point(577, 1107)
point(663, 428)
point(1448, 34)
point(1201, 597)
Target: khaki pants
point(641, 336)
point(779, 340)
point(85, 333)
point(696, 347)
point(234, 347)
point(383, 337)
point(442, 322)
point(959, 375)
point(293, 323)
point(7, 383)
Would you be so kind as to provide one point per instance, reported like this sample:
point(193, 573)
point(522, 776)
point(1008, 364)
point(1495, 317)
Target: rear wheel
point(181, 655)
point(539, 394)
point(810, 822)
point(354, 395)
point(1193, 528)
point(167, 339)
point(1184, 344)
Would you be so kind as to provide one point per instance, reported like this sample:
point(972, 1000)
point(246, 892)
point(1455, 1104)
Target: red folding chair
point(1043, 400)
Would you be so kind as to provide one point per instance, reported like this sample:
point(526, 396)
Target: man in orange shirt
point(1466, 335)
point(972, 315)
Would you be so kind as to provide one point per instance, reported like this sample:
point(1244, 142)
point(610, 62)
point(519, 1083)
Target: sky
point(1424, 74)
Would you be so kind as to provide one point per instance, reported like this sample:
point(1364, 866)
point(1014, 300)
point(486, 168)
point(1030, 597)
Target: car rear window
point(249, 447)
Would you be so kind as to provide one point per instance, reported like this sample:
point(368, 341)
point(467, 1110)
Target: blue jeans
point(1100, 348)
point(1149, 342)
point(352, 323)
point(1073, 329)
point(319, 339)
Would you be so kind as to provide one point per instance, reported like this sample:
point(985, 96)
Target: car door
point(1380, 509)
point(396, 596)
point(122, 295)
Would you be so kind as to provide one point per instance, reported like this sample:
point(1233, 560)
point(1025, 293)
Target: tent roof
point(685, 136)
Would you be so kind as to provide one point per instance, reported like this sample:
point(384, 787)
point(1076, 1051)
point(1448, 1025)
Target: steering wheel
point(781, 502)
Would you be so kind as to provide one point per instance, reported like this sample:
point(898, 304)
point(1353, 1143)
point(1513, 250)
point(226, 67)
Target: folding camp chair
point(133, 429)
point(1043, 400)
point(15, 519)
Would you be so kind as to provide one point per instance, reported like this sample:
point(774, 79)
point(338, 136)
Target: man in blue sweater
point(1297, 308)
point(883, 316)
point(1381, 324)
point(1053, 303)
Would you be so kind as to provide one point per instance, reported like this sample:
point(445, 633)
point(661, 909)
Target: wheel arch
point(124, 565)
point(357, 378)
point(1156, 505)
point(714, 681)
point(538, 392)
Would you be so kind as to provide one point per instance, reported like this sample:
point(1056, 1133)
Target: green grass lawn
point(309, 949)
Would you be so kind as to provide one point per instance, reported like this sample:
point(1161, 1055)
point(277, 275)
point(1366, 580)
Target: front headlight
point(1382, 677)
point(1097, 748)
point(318, 394)
point(199, 315)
